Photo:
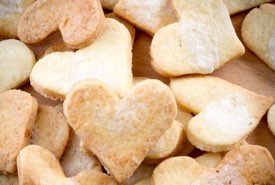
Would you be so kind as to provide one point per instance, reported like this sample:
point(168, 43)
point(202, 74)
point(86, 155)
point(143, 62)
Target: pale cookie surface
point(17, 114)
point(210, 160)
point(143, 172)
point(271, 119)
point(149, 16)
point(226, 113)
point(246, 165)
point(38, 166)
point(258, 32)
point(10, 12)
point(202, 41)
point(107, 59)
point(79, 22)
point(129, 26)
point(236, 6)
point(51, 130)
point(120, 132)
point(109, 4)
point(170, 143)
point(16, 63)
point(75, 161)
point(9, 180)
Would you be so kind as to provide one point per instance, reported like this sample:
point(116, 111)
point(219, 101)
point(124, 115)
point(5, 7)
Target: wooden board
point(247, 71)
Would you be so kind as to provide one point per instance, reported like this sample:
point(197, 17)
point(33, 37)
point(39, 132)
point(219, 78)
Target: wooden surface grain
point(247, 71)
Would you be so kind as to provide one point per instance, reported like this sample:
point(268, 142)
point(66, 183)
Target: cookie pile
point(112, 128)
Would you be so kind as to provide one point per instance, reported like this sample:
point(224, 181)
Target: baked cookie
point(226, 113)
point(10, 12)
point(258, 32)
point(246, 165)
point(149, 16)
point(203, 40)
point(129, 26)
point(79, 21)
point(17, 114)
point(38, 166)
point(108, 58)
point(50, 130)
point(236, 6)
point(16, 63)
point(120, 132)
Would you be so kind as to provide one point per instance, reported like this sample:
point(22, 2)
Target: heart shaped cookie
point(120, 132)
point(107, 59)
point(79, 21)
point(16, 63)
point(10, 15)
point(244, 165)
point(17, 115)
point(38, 166)
point(226, 113)
point(146, 15)
point(203, 40)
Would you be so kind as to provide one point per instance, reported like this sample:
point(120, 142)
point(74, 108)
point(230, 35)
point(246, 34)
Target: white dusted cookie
point(203, 40)
point(50, 130)
point(244, 165)
point(148, 16)
point(258, 32)
point(226, 113)
point(10, 13)
point(236, 6)
point(75, 161)
point(38, 166)
point(108, 58)
point(16, 63)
